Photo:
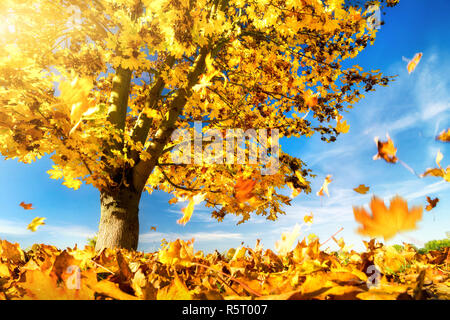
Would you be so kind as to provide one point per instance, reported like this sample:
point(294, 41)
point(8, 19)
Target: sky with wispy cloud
point(412, 110)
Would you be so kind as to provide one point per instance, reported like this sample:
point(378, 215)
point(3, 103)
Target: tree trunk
point(119, 222)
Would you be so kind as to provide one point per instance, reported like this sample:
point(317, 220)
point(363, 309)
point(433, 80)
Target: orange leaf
point(243, 189)
point(324, 187)
point(386, 150)
point(26, 206)
point(431, 203)
point(311, 99)
point(387, 222)
point(361, 189)
point(444, 136)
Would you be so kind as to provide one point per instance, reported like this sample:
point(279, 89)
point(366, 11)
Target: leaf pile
point(176, 271)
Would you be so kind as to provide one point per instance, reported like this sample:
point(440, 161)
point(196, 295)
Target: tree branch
point(143, 169)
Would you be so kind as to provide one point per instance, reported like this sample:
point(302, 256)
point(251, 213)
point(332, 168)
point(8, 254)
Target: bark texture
point(119, 222)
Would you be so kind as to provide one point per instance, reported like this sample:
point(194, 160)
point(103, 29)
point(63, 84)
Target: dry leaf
point(387, 222)
point(35, 224)
point(244, 190)
point(308, 219)
point(187, 212)
point(324, 188)
point(414, 62)
point(444, 136)
point(26, 206)
point(431, 203)
point(362, 189)
point(386, 150)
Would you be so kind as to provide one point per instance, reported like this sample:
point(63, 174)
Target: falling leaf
point(308, 219)
point(26, 206)
point(444, 136)
point(324, 188)
point(431, 203)
point(295, 191)
point(438, 172)
point(75, 94)
point(414, 62)
point(284, 245)
point(35, 223)
point(311, 99)
point(243, 189)
point(387, 222)
point(342, 127)
point(386, 150)
point(362, 189)
point(187, 212)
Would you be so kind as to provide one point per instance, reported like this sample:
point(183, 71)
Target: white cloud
point(70, 231)
point(13, 228)
point(20, 228)
point(153, 237)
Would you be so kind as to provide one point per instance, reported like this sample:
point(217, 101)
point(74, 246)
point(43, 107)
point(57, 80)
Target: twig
point(99, 265)
point(332, 236)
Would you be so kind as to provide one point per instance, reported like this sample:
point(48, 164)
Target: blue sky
point(413, 109)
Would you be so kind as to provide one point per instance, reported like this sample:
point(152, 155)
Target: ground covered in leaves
point(176, 271)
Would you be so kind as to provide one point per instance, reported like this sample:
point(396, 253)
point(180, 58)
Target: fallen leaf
point(176, 290)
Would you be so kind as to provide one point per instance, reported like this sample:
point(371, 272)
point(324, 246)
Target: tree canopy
point(102, 85)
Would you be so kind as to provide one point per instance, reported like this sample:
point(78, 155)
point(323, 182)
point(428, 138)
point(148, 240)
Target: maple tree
point(102, 85)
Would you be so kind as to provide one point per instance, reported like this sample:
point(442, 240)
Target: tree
point(104, 86)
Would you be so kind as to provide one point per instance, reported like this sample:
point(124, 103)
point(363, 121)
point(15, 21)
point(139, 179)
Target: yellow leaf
point(35, 224)
point(324, 188)
point(187, 212)
point(177, 290)
point(284, 245)
point(414, 62)
point(342, 127)
point(308, 219)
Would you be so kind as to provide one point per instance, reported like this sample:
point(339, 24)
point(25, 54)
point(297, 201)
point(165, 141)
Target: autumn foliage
point(304, 272)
